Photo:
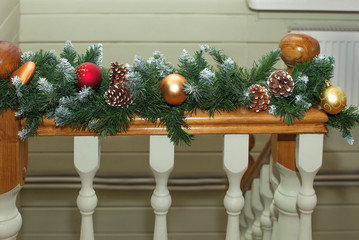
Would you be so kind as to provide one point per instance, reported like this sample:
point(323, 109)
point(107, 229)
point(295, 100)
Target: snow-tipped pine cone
point(118, 96)
point(117, 73)
point(261, 98)
point(280, 84)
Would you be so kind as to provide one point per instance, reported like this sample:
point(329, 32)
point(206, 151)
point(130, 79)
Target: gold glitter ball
point(333, 99)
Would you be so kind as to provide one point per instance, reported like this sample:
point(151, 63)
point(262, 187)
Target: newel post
point(13, 168)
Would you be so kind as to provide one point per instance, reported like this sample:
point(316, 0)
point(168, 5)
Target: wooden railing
point(288, 199)
point(296, 148)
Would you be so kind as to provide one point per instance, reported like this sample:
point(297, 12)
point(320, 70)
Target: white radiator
point(344, 46)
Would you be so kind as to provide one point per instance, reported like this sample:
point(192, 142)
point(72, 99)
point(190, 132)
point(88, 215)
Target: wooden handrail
point(241, 121)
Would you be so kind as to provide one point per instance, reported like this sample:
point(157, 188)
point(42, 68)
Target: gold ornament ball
point(172, 89)
point(333, 99)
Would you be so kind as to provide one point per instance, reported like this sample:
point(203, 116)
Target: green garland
point(224, 87)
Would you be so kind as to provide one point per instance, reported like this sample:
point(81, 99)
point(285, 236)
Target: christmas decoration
point(220, 87)
point(261, 98)
point(172, 89)
point(333, 99)
point(280, 84)
point(117, 73)
point(88, 74)
point(118, 96)
point(297, 48)
point(10, 57)
point(25, 72)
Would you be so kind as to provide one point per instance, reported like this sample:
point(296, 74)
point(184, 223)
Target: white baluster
point(235, 162)
point(242, 224)
point(10, 218)
point(267, 197)
point(309, 160)
point(87, 162)
point(273, 177)
point(285, 198)
point(161, 163)
point(248, 213)
point(257, 210)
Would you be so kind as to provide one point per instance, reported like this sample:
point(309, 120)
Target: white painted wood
point(10, 218)
point(235, 162)
point(274, 182)
point(309, 155)
point(87, 162)
point(267, 198)
point(134, 7)
point(248, 214)
point(257, 207)
point(305, 5)
point(285, 198)
point(242, 224)
point(162, 164)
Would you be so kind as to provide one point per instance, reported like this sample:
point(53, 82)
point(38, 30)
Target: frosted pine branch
point(191, 91)
point(17, 83)
point(44, 86)
point(303, 78)
point(63, 116)
point(65, 68)
point(93, 124)
point(23, 134)
point(228, 64)
point(27, 57)
point(84, 94)
point(186, 58)
point(207, 75)
point(94, 54)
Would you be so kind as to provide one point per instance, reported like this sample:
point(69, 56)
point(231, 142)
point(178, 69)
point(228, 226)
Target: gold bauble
point(172, 89)
point(333, 99)
point(25, 72)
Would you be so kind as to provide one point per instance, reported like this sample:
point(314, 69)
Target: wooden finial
point(298, 47)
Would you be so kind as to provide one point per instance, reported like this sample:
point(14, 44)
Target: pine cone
point(261, 98)
point(280, 84)
point(117, 73)
point(118, 96)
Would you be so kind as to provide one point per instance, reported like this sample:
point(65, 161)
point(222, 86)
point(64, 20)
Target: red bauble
point(88, 74)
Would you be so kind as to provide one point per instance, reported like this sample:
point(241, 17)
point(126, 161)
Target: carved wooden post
point(286, 194)
point(235, 162)
point(13, 167)
point(87, 162)
point(161, 163)
point(309, 160)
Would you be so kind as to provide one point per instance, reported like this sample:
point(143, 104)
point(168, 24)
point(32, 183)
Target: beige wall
point(139, 27)
point(9, 20)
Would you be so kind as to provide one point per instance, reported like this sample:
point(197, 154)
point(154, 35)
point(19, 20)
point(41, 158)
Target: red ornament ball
point(88, 74)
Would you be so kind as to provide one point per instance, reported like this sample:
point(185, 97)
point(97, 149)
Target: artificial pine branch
point(345, 121)
point(265, 66)
point(69, 53)
point(224, 87)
